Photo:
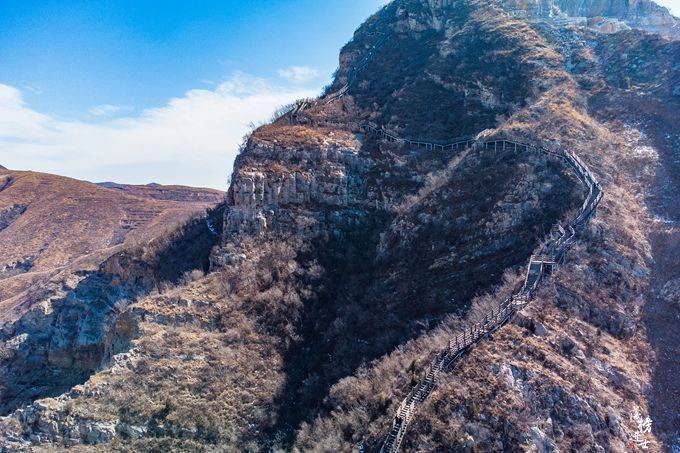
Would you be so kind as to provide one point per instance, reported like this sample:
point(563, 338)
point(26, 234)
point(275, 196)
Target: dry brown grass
point(591, 305)
point(214, 354)
point(207, 364)
point(298, 135)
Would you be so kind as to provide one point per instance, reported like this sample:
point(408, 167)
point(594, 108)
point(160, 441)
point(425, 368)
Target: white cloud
point(109, 109)
point(299, 74)
point(191, 140)
point(33, 89)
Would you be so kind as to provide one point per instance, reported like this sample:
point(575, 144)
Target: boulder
point(671, 292)
point(539, 329)
point(541, 441)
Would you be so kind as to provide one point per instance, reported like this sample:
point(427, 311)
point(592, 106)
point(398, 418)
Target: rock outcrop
point(605, 15)
point(5, 181)
point(296, 188)
point(70, 334)
point(10, 214)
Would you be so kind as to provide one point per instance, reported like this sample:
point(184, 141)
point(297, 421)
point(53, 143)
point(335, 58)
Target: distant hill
point(49, 222)
point(168, 193)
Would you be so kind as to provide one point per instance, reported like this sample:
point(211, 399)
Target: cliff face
point(74, 324)
point(347, 259)
point(294, 185)
point(645, 14)
point(67, 336)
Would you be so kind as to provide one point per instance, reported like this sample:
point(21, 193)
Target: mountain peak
point(606, 16)
point(611, 15)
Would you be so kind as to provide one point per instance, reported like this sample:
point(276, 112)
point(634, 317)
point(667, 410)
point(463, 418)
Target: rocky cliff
point(604, 15)
point(348, 258)
point(79, 322)
point(294, 185)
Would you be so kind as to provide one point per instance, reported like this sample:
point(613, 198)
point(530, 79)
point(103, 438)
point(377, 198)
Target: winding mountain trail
point(546, 259)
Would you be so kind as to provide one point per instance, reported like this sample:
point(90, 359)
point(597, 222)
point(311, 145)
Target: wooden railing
point(546, 259)
point(352, 76)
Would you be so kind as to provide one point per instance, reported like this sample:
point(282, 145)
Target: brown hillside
point(168, 193)
point(49, 222)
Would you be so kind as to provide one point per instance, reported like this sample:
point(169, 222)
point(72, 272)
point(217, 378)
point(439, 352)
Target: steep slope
point(77, 323)
point(48, 223)
point(560, 115)
point(348, 260)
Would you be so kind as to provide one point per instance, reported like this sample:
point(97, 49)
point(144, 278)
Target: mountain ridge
point(168, 192)
point(607, 16)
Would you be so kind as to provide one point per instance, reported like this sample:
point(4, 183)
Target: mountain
point(51, 224)
point(445, 190)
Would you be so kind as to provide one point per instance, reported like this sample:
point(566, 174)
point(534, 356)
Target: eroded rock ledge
point(294, 186)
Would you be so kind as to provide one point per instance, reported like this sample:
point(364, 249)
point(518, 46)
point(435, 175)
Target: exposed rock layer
point(618, 14)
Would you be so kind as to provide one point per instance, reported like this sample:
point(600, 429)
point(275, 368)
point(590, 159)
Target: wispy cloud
point(33, 89)
point(109, 109)
point(190, 140)
point(299, 74)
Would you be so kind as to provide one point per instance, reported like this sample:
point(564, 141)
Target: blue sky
point(72, 55)
point(86, 80)
point(158, 91)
